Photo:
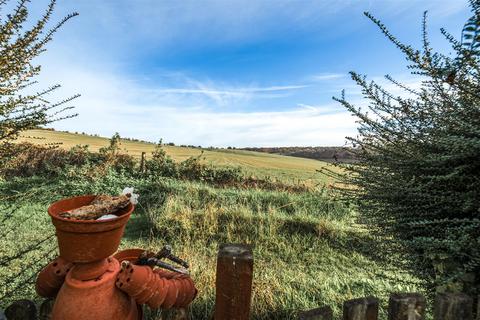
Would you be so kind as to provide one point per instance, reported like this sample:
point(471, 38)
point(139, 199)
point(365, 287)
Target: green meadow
point(309, 249)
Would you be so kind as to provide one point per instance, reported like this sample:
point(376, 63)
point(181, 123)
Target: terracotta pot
point(160, 293)
point(148, 286)
point(51, 278)
point(172, 295)
point(86, 241)
point(133, 279)
point(193, 292)
point(188, 292)
point(97, 299)
point(90, 271)
point(150, 289)
point(130, 255)
point(182, 293)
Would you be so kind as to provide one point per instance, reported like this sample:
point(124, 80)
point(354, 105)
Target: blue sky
point(228, 72)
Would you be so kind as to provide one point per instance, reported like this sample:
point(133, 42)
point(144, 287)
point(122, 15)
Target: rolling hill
point(257, 163)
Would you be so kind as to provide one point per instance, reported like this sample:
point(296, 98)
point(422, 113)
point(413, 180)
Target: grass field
point(309, 250)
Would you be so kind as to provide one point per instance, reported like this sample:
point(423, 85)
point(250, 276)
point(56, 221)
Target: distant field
point(256, 163)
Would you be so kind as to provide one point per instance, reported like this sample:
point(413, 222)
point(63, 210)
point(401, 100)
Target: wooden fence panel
point(453, 306)
point(406, 306)
point(361, 309)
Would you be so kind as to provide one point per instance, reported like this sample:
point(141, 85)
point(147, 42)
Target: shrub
point(161, 164)
point(418, 174)
point(34, 160)
point(30, 160)
point(110, 156)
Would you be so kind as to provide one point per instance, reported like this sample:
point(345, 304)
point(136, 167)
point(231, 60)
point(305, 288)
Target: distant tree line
point(318, 153)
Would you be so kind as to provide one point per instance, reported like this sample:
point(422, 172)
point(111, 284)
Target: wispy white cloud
point(324, 109)
point(230, 92)
point(222, 95)
point(111, 103)
point(327, 76)
point(198, 22)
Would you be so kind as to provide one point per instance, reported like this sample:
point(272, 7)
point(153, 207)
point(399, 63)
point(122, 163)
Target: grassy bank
point(308, 249)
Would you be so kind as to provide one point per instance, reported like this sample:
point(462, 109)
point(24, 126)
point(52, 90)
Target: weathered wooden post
point(142, 163)
point(46, 309)
point(406, 306)
point(234, 282)
point(323, 313)
point(361, 309)
point(453, 306)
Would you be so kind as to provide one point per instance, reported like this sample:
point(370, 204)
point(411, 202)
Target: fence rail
point(401, 306)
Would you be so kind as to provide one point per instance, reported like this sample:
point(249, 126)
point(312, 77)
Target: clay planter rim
point(131, 255)
point(85, 200)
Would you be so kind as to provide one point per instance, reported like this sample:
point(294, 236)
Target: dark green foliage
point(161, 164)
point(328, 154)
point(194, 169)
point(111, 157)
point(418, 176)
point(113, 148)
point(471, 31)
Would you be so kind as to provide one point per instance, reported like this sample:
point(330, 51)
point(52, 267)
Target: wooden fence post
point(142, 163)
point(234, 282)
point(46, 308)
point(453, 306)
point(361, 309)
point(406, 306)
point(323, 313)
point(478, 308)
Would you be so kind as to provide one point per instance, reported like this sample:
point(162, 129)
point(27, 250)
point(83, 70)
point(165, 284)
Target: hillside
point(257, 163)
point(328, 154)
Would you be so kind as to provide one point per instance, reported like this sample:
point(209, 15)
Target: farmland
point(286, 168)
point(309, 249)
